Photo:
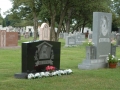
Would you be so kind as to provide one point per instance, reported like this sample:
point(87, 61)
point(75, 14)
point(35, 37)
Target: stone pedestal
point(90, 52)
point(118, 39)
point(113, 50)
point(91, 62)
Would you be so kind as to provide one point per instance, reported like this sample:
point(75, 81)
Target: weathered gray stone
point(79, 40)
point(70, 41)
point(61, 35)
point(118, 39)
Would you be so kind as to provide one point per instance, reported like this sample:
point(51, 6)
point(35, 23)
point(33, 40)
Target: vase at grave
point(113, 49)
point(90, 52)
point(112, 65)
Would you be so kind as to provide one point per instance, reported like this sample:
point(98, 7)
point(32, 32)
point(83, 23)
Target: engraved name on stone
point(43, 62)
point(104, 40)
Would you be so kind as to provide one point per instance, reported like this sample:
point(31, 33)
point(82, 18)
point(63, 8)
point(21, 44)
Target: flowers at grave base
point(31, 76)
point(50, 68)
point(118, 60)
point(49, 74)
point(112, 59)
point(90, 43)
point(113, 42)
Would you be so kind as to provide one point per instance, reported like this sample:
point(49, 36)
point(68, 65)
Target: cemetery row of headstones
point(36, 55)
point(74, 40)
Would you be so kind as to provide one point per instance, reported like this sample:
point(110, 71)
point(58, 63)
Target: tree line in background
point(66, 15)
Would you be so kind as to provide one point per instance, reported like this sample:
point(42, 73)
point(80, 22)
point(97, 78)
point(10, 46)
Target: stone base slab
point(88, 64)
point(21, 75)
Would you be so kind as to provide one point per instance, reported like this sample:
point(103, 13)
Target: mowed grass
point(99, 79)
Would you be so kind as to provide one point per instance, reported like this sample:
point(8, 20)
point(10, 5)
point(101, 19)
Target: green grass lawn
point(100, 79)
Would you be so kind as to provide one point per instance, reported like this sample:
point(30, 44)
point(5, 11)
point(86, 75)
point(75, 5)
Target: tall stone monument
point(101, 39)
point(44, 33)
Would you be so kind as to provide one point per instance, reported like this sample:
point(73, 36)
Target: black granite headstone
point(37, 55)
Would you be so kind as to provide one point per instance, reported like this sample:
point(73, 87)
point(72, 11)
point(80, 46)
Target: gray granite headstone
point(70, 41)
point(82, 37)
point(90, 36)
point(61, 35)
point(118, 30)
point(78, 38)
point(113, 36)
point(65, 35)
point(101, 39)
point(118, 39)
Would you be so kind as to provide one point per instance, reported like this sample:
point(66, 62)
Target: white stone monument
point(44, 33)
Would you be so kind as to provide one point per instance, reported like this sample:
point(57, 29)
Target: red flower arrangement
point(50, 68)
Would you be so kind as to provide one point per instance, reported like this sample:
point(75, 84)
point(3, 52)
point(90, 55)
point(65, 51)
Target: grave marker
point(11, 39)
point(70, 41)
point(37, 55)
point(118, 39)
point(101, 39)
point(8, 39)
point(44, 33)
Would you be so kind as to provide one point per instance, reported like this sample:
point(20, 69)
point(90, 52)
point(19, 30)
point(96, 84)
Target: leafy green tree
point(67, 14)
point(115, 9)
point(1, 20)
point(57, 10)
point(83, 12)
point(27, 10)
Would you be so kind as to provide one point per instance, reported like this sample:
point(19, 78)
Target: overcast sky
point(5, 5)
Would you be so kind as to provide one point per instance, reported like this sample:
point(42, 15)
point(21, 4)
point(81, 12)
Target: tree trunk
point(60, 23)
point(35, 26)
point(83, 26)
point(68, 21)
point(52, 31)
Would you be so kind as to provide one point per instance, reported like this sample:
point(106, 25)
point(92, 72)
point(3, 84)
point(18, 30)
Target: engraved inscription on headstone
point(79, 38)
point(104, 36)
point(44, 52)
point(71, 41)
